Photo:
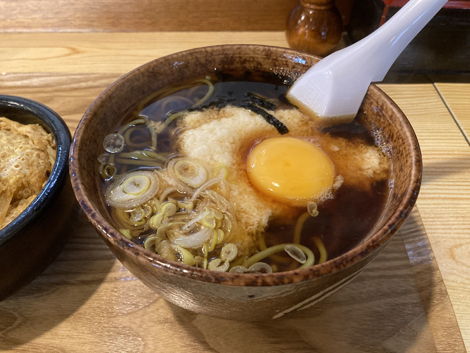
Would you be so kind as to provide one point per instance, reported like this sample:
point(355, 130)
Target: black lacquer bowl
point(34, 239)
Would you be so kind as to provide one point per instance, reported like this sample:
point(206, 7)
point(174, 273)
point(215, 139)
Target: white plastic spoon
point(334, 88)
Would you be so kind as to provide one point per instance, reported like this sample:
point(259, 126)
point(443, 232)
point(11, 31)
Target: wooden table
point(415, 297)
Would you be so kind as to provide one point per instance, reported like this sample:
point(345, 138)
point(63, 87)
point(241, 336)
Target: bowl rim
point(59, 130)
point(346, 260)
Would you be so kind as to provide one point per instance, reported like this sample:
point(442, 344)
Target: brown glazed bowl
point(228, 295)
point(34, 239)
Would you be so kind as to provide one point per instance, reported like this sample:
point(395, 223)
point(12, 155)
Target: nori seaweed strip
point(280, 127)
point(263, 103)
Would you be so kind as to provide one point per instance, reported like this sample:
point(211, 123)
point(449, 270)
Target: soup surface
point(216, 173)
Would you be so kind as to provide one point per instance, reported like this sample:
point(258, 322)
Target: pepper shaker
point(314, 26)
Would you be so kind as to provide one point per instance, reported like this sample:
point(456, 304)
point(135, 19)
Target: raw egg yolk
point(290, 170)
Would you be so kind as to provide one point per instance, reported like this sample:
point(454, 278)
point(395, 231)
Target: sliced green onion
point(103, 158)
point(260, 267)
point(186, 205)
point(220, 236)
point(132, 189)
point(126, 233)
point(312, 209)
point(168, 209)
point(136, 185)
point(280, 247)
point(165, 250)
point(156, 220)
point(215, 265)
point(183, 255)
point(229, 252)
point(107, 171)
point(194, 240)
point(208, 220)
point(238, 269)
point(213, 241)
point(113, 143)
point(294, 252)
point(190, 172)
point(220, 171)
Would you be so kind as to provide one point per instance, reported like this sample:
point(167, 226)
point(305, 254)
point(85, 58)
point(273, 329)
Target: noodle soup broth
point(153, 133)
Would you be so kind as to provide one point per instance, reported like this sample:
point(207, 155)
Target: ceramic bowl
point(34, 239)
point(227, 295)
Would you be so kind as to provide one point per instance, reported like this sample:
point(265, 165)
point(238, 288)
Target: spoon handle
point(392, 38)
point(336, 86)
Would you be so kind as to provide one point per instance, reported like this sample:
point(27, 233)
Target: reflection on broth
point(225, 174)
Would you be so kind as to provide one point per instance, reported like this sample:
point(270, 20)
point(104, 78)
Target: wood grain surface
point(143, 15)
point(86, 301)
point(457, 98)
point(69, 95)
point(444, 200)
point(110, 52)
